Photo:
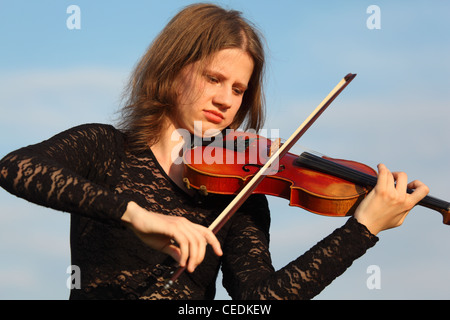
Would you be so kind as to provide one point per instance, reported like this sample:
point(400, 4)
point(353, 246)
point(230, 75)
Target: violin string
point(327, 166)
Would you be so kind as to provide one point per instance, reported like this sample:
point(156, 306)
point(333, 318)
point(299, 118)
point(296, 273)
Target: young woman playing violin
point(134, 222)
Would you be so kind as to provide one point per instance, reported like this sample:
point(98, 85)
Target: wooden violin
point(319, 184)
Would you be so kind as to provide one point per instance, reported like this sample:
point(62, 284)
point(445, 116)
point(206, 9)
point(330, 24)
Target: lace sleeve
point(248, 271)
point(68, 172)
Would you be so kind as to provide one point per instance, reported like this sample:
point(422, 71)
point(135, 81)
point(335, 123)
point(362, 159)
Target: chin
point(206, 129)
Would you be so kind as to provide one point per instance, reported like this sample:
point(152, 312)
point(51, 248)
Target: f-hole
point(244, 167)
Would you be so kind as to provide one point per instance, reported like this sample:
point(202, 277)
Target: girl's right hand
point(178, 237)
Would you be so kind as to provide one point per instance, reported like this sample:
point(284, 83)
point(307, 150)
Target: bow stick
point(248, 189)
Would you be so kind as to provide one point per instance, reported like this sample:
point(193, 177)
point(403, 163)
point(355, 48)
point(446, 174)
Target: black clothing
point(88, 172)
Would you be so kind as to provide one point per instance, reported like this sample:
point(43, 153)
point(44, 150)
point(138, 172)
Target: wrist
point(370, 225)
point(130, 213)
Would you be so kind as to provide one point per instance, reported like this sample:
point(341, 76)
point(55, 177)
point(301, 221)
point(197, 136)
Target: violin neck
point(362, 179)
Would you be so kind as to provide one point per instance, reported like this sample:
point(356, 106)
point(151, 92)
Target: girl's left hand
point(388, 204)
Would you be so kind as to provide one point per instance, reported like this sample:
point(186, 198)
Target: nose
point(223, 98)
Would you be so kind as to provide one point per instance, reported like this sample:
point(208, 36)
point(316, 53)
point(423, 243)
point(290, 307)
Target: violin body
point(226, 171)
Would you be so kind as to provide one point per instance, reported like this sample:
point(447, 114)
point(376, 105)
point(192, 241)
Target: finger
point(195, 246)
point(201, 252)
point(214, 242)
point(194, 255)
point(197, 253)
point(201, 237)
point(183, 246)
point(192, 240)
point(416, 184)
point(173, 251)
point(385, 178)
point(186, 238)
point(401, 179)
point(420, 190)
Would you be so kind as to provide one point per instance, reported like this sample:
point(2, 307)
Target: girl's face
point(210, 96)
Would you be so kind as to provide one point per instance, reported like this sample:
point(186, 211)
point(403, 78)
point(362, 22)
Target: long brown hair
point(194, 34)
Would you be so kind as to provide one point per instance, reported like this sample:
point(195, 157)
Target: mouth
point(213, 116)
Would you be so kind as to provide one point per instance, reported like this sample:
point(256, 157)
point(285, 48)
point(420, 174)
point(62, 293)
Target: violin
point(314, 182)
point(242, 164)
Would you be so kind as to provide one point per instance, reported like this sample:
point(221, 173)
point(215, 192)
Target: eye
point(238, 91)
point(212, 79)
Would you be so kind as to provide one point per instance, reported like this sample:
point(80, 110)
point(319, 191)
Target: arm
point(68, 173)
point(247, 267)
point(73, 171)
point(248, 272)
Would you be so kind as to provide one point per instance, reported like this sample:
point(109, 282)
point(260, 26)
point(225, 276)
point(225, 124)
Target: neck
point(169, 151)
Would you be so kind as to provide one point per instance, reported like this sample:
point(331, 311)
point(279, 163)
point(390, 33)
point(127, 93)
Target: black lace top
point(88, 172)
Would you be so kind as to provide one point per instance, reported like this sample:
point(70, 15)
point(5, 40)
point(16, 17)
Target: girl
point(132, 219)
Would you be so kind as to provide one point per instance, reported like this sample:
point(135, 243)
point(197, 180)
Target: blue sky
point(396, 111)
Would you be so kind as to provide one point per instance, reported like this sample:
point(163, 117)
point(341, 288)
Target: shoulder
point(96, 128)
point(91, 137)
point(93, 131)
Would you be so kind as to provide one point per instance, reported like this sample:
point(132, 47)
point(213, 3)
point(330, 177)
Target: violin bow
point(253, 183)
